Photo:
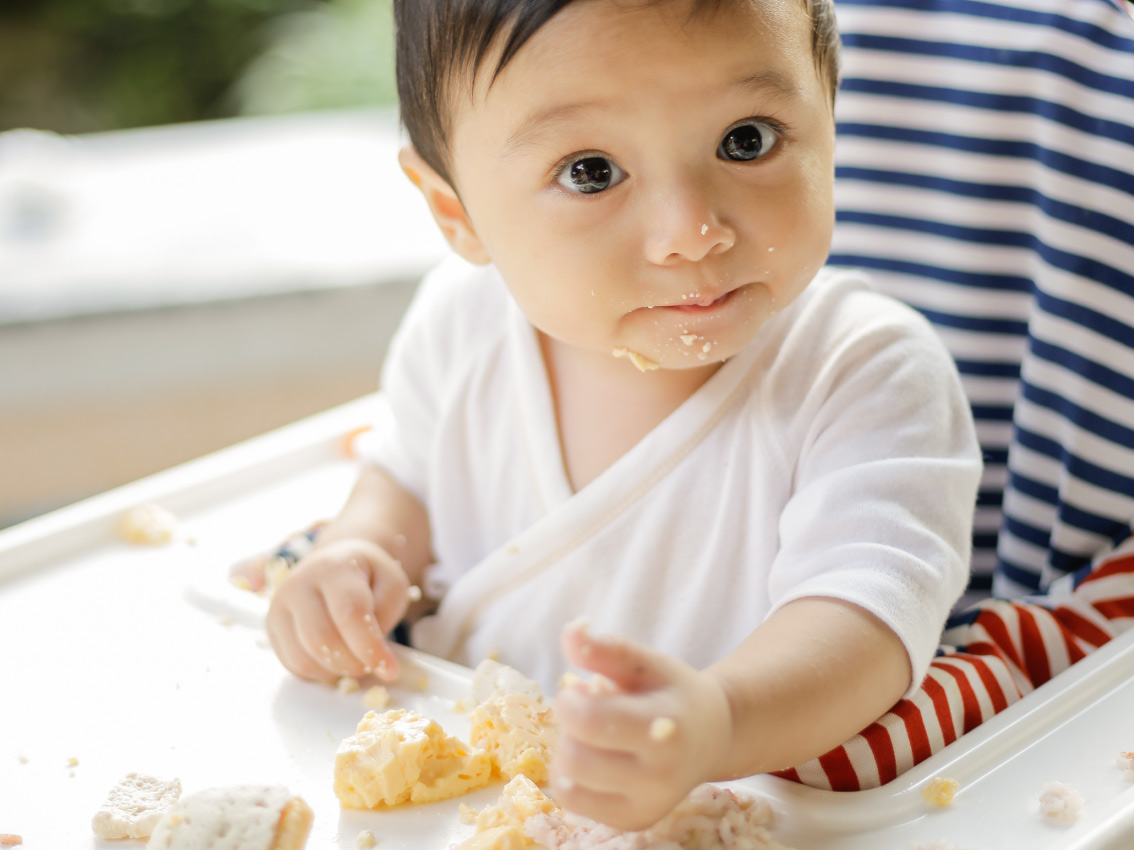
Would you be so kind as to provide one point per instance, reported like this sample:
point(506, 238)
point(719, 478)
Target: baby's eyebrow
point(529, 130)
point(769, 81)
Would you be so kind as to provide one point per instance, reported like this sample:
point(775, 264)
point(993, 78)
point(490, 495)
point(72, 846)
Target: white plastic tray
point(131, 658)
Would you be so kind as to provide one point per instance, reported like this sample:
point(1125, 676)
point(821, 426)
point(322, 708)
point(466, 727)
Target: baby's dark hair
point(440, 41)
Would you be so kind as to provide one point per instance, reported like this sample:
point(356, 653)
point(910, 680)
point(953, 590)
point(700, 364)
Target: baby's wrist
point(715, 712)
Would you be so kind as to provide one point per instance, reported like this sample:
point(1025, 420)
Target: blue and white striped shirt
point(985, 175)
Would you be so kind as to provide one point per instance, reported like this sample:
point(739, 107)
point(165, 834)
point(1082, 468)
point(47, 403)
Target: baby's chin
point(693, 353)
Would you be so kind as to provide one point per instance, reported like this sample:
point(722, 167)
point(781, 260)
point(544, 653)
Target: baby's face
point(652, 182)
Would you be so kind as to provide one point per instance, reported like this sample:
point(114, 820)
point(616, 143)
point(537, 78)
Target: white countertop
point(204, 212)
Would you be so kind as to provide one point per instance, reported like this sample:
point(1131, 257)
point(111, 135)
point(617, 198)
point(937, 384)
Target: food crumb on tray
point(366, 839)
point(134, 806)
point(147, 525)
point(348, 685)
point(1125, 762)
point(1059, 801)
point(376, 697)
point(940, 791)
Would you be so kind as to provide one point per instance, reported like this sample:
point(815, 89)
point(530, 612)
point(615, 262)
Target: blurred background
point(203, 230)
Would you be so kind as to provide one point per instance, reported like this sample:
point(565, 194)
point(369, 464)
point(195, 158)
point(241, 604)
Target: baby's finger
point(631, 666)
point(594, 768)
point(364, 638)
point(320, 638)
point(390, 598)
point(613, 808)
point(290, 652)
point(614, 721)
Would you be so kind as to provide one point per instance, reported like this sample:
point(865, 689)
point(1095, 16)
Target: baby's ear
point(447, 209)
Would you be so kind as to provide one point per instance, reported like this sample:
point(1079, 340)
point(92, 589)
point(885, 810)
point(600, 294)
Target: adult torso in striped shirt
point(985, 175)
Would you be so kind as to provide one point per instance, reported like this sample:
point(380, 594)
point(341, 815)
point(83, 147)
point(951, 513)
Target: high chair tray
point(117, 658)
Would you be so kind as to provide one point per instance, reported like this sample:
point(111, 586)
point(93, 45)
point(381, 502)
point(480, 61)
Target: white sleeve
point(888, 467)
point(413, 383)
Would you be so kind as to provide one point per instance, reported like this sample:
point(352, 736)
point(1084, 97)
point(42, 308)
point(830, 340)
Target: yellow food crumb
point(662, 728)
point(940, 791)
point(689, 339)
point(464, 705)
point(376, 697)
point(276, 572)
point(348, 685)
point(413, 593)
point(72, 762)
point(366, 839)
point(568, 679)
point(600, 684)
point(643, 364)
point(147, 524)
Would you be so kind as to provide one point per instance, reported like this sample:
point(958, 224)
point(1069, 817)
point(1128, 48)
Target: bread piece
point(241, 817)
point(134, 806)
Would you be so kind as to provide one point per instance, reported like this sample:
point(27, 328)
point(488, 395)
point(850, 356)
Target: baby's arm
point(331, 615)
point(813, 675)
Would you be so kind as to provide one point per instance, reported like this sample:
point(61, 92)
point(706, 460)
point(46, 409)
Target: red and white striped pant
point(997, 653)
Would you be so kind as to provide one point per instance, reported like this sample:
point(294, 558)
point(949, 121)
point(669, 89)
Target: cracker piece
point(134, 806)
point(240, 817)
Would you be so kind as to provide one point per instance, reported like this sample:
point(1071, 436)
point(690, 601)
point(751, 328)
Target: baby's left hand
point(631, 748)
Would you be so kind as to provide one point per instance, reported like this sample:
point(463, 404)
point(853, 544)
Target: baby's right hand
point(330, 617)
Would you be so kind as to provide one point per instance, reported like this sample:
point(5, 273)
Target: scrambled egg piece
point(501, 827)
point(940, 791)
point(518, 732)
point(401, 757)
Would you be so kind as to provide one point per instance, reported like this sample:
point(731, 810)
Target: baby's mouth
point(697, 303)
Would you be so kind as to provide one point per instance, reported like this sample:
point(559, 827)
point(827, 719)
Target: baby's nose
point(687, 230)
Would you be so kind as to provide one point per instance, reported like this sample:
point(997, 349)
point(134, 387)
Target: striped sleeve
point(985, 175)
point(1000, 651)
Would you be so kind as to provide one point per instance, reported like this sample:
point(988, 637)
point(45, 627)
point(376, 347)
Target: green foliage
point(84, 65)
point(332, 56)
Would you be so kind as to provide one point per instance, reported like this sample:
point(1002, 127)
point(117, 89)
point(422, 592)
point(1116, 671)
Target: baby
point(637, 396)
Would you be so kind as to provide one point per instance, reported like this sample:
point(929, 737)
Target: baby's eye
point(746, 142)
point(590, 174)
